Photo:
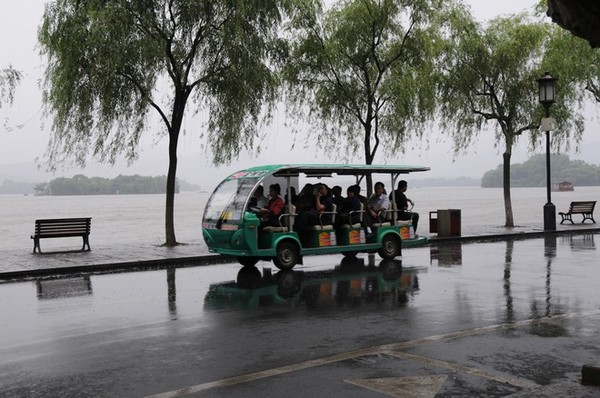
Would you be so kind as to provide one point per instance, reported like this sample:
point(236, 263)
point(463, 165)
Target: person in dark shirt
point(338, 199)
point(306, 199)
point(402, 204)
point(350, 204)
point(321, 203)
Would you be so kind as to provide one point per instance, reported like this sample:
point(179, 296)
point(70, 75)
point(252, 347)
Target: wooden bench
point(61, 228)
point(585, 208)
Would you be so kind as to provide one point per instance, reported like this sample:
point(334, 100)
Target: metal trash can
point(433, 222)
point(448, 222)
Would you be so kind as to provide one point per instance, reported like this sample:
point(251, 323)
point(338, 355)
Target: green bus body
point(229, 228)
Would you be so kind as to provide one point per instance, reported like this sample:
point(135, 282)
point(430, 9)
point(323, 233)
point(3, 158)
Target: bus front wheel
point(286, 256)
point(391, 247)
point(247, 261)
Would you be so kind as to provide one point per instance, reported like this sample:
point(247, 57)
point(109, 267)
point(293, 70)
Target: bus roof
point(327, 169)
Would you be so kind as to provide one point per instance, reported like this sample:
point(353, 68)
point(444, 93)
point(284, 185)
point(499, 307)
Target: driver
point(402, 204)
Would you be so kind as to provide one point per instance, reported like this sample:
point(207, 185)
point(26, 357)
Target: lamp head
point(547, 89)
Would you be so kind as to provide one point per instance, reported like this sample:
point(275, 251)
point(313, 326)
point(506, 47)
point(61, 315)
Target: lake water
point(131, 219)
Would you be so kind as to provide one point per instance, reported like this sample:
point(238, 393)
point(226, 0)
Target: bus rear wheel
point(286, 256)
point(391, 247)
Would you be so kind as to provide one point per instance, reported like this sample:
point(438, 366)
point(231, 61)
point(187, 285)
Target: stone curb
point(209, 259)
point(129, 266)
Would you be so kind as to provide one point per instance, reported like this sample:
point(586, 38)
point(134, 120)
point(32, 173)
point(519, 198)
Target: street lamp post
point(547, 85)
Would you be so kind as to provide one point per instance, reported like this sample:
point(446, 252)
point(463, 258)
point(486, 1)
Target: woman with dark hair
point(271, 212)
point(320, 203)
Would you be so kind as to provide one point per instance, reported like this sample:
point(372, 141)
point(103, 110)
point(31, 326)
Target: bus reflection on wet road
point(349, 283)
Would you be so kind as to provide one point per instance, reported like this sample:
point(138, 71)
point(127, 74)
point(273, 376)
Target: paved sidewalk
point(20, 264)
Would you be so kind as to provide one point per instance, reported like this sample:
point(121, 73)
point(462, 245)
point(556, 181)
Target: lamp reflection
point(351, 283)
point(547, 328)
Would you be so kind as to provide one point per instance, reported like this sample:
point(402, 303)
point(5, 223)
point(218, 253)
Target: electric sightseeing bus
point(231, 227)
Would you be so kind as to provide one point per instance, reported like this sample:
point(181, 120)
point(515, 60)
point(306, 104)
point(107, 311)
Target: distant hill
point(82, 185)
point(532, 173)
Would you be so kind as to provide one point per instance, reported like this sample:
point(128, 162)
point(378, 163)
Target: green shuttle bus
point(230, 227)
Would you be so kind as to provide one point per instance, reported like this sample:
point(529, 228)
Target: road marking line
point(389, 349)
point(515, 381)
point(403, 387)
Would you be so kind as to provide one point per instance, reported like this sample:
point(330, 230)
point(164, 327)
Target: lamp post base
point(549, 217)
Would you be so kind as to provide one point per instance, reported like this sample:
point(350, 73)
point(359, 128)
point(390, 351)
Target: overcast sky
point(23, 136)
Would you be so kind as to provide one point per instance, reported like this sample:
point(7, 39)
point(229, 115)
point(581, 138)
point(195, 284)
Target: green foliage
point(110, 62)
point(532, 173)
point(490, 74)
point(9, 79)
point(363, 72)
point(82, 185)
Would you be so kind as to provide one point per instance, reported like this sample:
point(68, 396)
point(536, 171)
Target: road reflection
point(53, 288)
point(446, 254)
point(350, 283)
point(581, 242)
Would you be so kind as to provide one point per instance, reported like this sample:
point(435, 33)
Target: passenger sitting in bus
point(336, 193)
point(363, 199)
point(258, 199)
point(273, 209)
point(306, 198)
point(294, 197)
point(322, 202)
point(402, 204)
point(351, 203)
point(376, 207)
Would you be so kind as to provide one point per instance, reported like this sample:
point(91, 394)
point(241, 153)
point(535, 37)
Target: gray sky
point(23, 136)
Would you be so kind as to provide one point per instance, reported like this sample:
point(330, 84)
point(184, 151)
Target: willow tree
point(489, 78)
point(9, 79)
point(362, 71)
point(577, 64)
point(111, 63)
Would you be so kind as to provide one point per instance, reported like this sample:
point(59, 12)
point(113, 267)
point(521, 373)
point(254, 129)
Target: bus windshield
point(226, 205)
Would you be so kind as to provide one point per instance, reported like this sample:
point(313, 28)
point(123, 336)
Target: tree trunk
point(509, 222)
point(368, 159)
point(179, 103)
point(170, 199)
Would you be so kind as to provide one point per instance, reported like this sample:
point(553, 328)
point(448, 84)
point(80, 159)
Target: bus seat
point(327, 227)
point(400, 223)
point(361, 214)
point(286, 221)
point(388, 219)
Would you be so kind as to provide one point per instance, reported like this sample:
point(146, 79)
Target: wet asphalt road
point(508, 318)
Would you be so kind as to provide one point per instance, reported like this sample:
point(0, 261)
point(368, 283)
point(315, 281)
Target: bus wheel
point(349, 254)
point(287, 256)
point(390, 247)
point(247, 261)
